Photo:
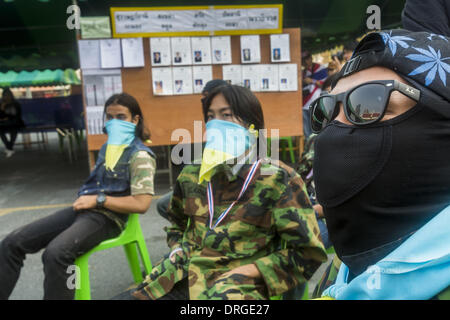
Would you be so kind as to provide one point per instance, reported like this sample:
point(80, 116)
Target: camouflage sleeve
point(176, 216)
point(302, 252)
point(142, 173)
point(307, 158)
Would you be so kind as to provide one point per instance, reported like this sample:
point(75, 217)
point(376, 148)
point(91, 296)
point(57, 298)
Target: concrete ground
point(36, 182)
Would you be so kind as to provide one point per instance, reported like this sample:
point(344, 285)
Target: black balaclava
point(382, 182)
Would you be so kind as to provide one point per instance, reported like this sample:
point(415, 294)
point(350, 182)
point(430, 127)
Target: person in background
point(10, 120)
point(341, 57)
point(120, 183)
point(313, 76)
point(349, 47)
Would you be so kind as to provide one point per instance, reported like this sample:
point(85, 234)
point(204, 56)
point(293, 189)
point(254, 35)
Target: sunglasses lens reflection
point(366, 103)
point(323, 113)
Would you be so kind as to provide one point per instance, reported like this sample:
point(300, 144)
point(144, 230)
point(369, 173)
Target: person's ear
point(136, 119)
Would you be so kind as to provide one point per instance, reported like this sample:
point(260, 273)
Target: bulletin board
point(164, 114)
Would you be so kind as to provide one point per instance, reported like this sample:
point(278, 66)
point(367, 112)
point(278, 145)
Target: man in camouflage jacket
point(272, 226)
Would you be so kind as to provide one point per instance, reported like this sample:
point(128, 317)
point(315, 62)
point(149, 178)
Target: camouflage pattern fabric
point(275, 207)
point(142, 173)
point(142, 168)
point(304, 168)
point(329, 278)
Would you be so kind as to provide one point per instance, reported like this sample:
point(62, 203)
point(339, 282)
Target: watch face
point(101, 198)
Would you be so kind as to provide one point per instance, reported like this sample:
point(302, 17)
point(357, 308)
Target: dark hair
point(7, 91)
point(210, 85)
point(128, 101)
point(350, 45)
point(329, 81)
point(243, 103)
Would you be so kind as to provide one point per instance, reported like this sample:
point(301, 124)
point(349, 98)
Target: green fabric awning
point(38, 78)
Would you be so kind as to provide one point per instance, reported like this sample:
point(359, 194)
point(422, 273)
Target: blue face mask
point(225, 140)
point(120, 132)
point(120, 135)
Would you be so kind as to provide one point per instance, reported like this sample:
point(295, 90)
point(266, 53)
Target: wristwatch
point(101, 198)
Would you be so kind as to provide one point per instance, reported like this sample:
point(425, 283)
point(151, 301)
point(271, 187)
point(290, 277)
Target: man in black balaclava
point(381, 166)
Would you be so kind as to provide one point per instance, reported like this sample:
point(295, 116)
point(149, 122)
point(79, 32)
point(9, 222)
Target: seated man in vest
point(121, 183)
point(381, 168)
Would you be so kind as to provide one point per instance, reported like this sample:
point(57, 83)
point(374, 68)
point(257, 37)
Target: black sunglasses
point(363, 104)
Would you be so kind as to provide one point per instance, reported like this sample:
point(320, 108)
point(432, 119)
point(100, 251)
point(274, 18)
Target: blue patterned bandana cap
point(422, 58)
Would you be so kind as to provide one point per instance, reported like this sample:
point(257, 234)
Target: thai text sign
point(199, 20)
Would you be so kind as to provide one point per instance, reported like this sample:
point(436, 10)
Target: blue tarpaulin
point(58, 112)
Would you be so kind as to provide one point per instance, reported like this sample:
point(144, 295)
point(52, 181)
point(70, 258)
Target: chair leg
point(133, 260)
point(145, 256)
point(306, 292)
point(283, 149)
point(84, 291)
point(291, 149)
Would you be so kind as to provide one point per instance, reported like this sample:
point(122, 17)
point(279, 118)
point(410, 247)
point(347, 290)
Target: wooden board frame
point(164, 114)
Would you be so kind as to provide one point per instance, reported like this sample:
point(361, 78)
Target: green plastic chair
point(131, 239)
point(290, 147)
point(330, 250)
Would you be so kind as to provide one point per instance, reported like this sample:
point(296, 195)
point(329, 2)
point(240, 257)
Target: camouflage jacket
point(275, 207)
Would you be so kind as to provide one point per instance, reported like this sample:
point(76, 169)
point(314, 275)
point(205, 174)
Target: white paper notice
point(100, 84)
point(181, 51)
point(162, 81)
point(232, 74)
point(160, 54)
point(94, 118)
point(133, 52)
point(89, 52)
point(250, 49)
point(201, 75)
point(279, 48)
point(108, 86)
point(288, 75)
point(89, 91)
point(221, 50)
point(269, 77)
point(201, 50)
point(182, 80)
point(251, 77)
point(111, 53)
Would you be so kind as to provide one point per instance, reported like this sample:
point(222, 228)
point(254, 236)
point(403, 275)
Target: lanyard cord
point(210, 196)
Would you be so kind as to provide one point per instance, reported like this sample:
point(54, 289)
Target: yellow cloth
point(113, 154)
point(211, 159)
